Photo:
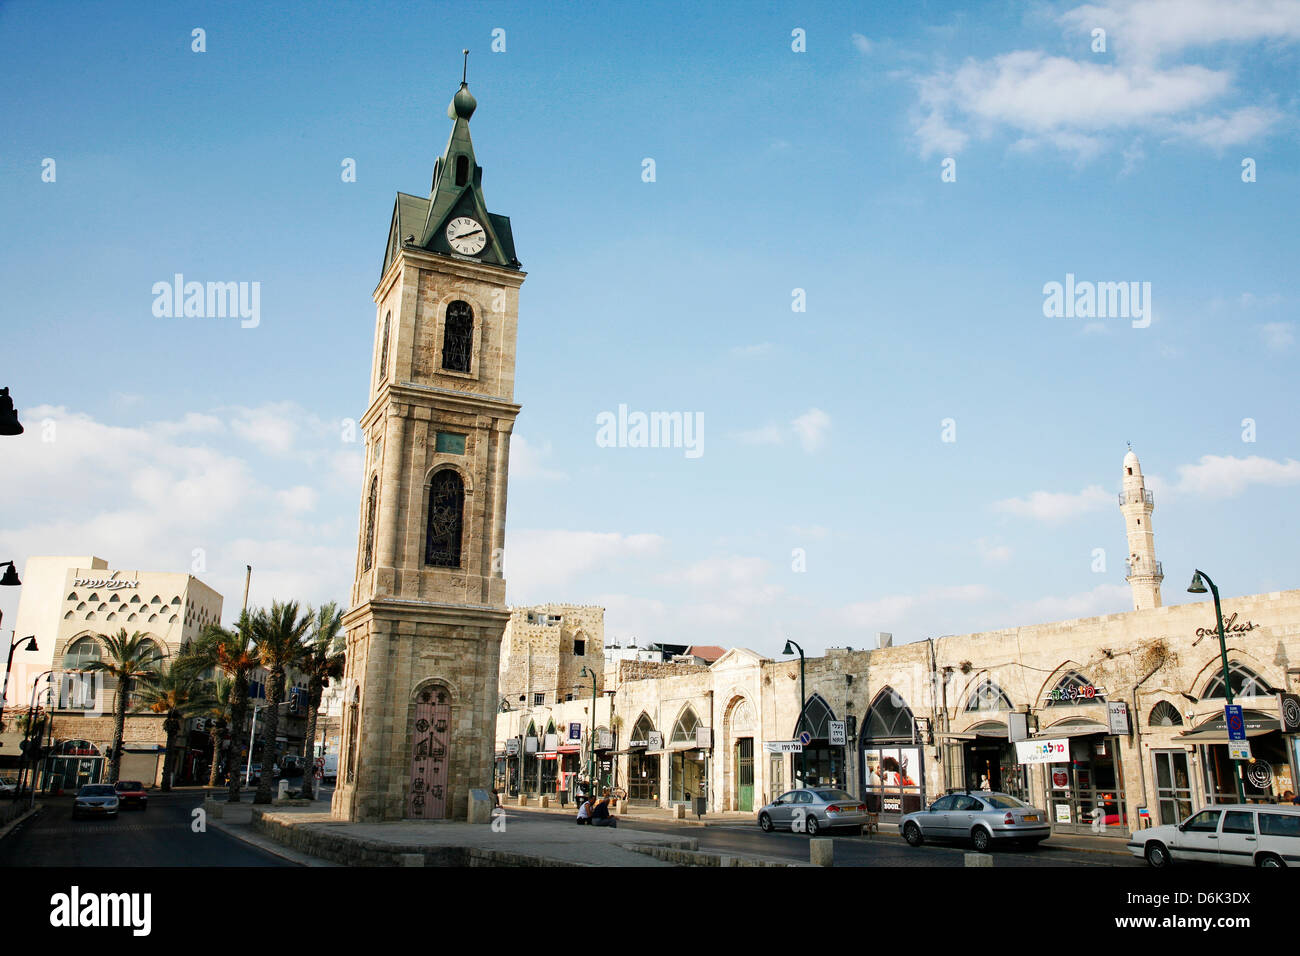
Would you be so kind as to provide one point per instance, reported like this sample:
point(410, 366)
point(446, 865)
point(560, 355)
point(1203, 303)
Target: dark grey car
point(979, 816)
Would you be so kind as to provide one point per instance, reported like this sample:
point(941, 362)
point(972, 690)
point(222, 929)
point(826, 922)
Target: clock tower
point(428, 600)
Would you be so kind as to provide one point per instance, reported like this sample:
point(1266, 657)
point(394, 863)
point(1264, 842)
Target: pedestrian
point(600, 815)
point(584, 814)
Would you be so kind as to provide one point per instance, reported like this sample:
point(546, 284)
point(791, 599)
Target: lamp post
point(31, 720)
point(803, 703)
point(591, 731)
point(13, 646)
point(1199, 580)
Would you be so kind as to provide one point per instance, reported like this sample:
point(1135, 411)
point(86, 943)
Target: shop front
point(823, 757)
point(983, 758)
point(71, 765)
point(643, 763)
point(892, 759)
point(1269, 773)
point(1084, 782)
point(688, 751)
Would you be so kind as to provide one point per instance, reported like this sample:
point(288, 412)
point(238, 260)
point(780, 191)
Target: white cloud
point(893, 610)
point(1146, 30)
point(993, 553)
point(1240, 126)
point(542, 565)
point(1278, 336)
point(1103, 599)
point(1056, 506)
point(1224, 476)
point(528, 461)
point(811, 427)
point(861, 43)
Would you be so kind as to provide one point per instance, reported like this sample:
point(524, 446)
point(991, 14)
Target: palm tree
point(178, 693)
point(234, 652)
point(219, 713)
point(323, 660)
point(128, 659)
point(281, 644)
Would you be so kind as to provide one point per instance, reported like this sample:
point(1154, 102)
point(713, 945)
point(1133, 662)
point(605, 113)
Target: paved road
point(160, 836)
point(885, 849)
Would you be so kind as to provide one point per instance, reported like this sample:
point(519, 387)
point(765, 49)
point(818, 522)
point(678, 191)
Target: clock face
point(466, 236)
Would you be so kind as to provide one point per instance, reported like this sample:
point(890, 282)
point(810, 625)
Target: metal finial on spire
point(464, 70)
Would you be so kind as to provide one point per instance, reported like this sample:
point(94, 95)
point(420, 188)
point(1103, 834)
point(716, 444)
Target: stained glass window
point(458, 337)
point(446, 512)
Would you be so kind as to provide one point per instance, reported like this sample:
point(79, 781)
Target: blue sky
point(776, 170)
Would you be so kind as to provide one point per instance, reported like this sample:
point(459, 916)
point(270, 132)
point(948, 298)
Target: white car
point(1245, 834)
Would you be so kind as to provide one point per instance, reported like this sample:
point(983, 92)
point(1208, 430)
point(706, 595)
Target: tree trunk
point(171, 725)
point(270, 750)
point(309, 774)
point(119, 729)
point(238, 711)
point(214, 773)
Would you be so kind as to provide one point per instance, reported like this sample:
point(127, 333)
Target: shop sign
point(1017, 726)
point(703, 737)
point(1042, 751)
point(1290, 708)
point(638, 743)
point(1260, 774)
point(552, 742)
point(1239, 750)
point(575, 731)
point(1062, 813)
point(782, 746)
point(530, 745)
point(837, 733)
point(1117, 715)
point(109, 584)
point(1230, 626)
point(512, 747)
point(604, 740)
point(656, 741)
point(1075, 693)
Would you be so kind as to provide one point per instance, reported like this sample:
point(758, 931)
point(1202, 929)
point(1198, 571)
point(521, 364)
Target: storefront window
point(1173, 786)
point(893, 770)
point(825, 763)
point(688, 775)
point(1089, 790)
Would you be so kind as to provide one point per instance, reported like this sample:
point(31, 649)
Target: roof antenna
point(465, 70)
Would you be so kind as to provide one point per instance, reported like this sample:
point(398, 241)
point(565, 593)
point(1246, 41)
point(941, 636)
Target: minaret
point(1144, 572)
point(429, 595)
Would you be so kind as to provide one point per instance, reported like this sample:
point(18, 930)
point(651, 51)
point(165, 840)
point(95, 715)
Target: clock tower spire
point(428, 599)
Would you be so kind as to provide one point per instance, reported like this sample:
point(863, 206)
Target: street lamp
point(13, 646)
point(803, 703)
point(9, 424)
point(591, 730)
point(1199, 580)
point(10, 577)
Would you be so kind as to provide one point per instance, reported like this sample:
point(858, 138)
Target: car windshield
point(830, 796)
point(1002, 801)
point(97, 790)
point(129, 785)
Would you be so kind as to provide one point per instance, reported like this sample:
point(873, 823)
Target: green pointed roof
point(457, 190)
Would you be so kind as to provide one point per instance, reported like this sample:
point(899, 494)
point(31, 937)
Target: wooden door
point(429, 756)
point(745, 774)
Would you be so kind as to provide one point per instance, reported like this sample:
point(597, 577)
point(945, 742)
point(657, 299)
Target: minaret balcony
point(1138, 570)
point(1136, 498)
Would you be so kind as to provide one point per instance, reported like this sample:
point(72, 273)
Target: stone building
point(1107, 722)
point(70, 604)
point(428, 602)
point(545, 650)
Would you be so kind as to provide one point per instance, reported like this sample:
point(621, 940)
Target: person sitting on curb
point(600, 815)
point(584, 813)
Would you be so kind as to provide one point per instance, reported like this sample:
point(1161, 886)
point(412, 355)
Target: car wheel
point(1157, 855)
point(1269, 860)
point(812, 825)
point(980, 837)
point(765, 823)
point(912, 834)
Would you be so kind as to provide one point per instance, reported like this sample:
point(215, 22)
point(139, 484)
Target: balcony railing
point(1136, 497)
point(1135, 568)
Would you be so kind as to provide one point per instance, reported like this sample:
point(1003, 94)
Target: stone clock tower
point(428, 602)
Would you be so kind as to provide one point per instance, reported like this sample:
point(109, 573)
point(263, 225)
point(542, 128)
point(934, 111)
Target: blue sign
point(575, 731)
point(805, 738)
point(1235, 721)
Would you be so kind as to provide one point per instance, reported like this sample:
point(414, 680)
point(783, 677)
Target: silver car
point(813, 810)
point(95, 799)
point(980, 816)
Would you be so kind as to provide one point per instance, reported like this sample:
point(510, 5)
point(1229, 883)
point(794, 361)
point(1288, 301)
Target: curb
point(14, 824)
point(267, 845)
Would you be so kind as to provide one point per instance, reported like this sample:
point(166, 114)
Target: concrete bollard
point(679, 811)
point(978, 859)
point(621, 808)
point(523, 800)
point(283, 791)
point(821, 851)
point(412, 859)
point(544, 801)
point(481, 805)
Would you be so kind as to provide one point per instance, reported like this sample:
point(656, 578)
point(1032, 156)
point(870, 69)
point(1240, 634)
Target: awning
point(1219, 735)
point(985, 733)
point(1072, 730)
point(682, 745)
point(568, 750)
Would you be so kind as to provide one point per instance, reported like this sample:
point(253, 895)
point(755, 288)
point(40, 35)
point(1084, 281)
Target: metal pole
point(252, 737)
point(1227, 678)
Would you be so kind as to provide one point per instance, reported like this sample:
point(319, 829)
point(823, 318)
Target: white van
point(1247, 834)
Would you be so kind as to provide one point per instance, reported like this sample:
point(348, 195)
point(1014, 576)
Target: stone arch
point(1214, 665)
point(1164, 714)
point(739, 721)
point(685, 725)
point(445, 510)
point(982, 690)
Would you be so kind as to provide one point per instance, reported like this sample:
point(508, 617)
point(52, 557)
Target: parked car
point(8, 788)
point(131, 793)
point(1244, 834)
point(252, 777)
point(980, 816)
point(95, 800)
point(812, 810)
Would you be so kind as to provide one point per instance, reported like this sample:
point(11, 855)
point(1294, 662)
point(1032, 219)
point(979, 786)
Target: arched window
point(383, 353)
point(889, 718)
point(642, 729)
point(462, 170)
point(684, 729)
point(458, 337)
point(817, 716)
point(1245, 683)
point(354, 715)
point(1165, 714)
point(81, 653)
point(1073, 688)
point(371, 501)
point(986, 696)
point(446, 517)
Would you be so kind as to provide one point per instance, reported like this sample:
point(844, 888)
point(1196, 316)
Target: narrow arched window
point(458, 337)
point(462, 170)
point(372, 501)
point(446, 520)
point(383, 352)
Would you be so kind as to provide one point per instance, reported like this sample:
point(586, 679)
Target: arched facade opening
point(822, 762)
point(458, 337)
point(643, 761)
point(431, 743)
point(688, 761)
point(892, 760)
point(445, 528)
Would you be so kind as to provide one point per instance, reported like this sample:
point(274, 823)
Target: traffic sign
point(837, 734)
point(805, 738)
point(1236, 723)
point(783, 746)
point(1239, 750)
